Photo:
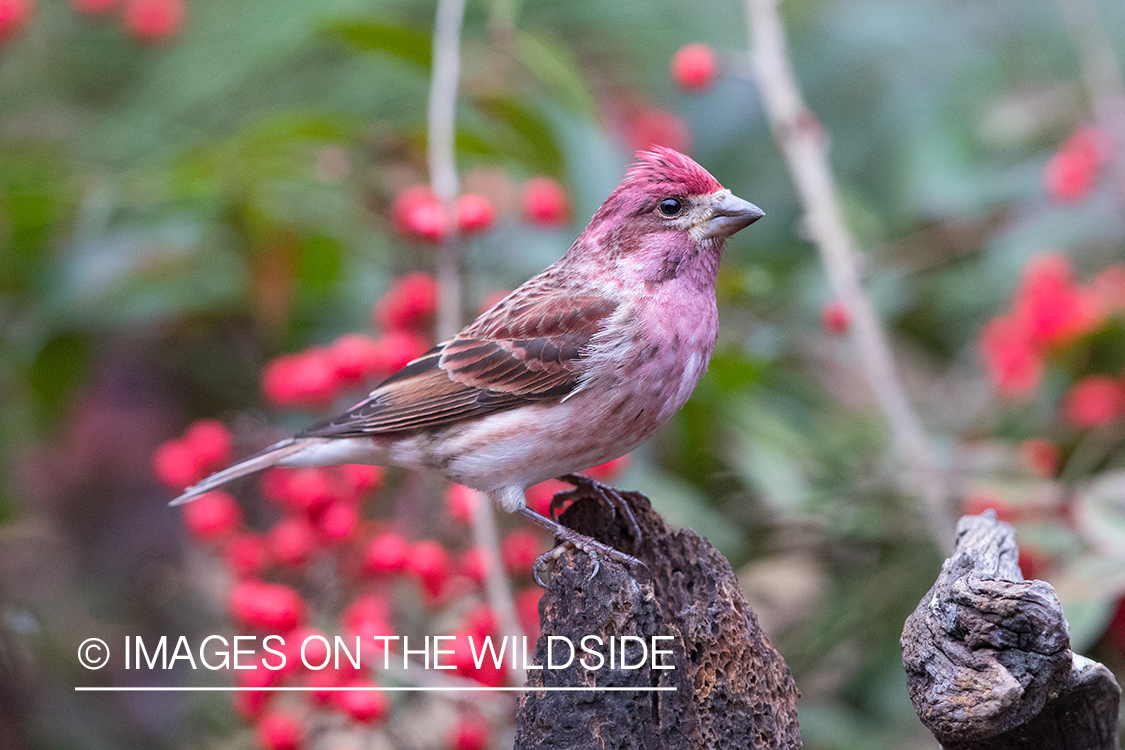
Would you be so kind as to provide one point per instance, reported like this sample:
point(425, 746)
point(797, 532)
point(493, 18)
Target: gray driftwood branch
point(730, 687)
point(988, 660)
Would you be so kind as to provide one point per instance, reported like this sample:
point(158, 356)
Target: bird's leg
point(572, 538)
point(559, 499)
point(610, 496)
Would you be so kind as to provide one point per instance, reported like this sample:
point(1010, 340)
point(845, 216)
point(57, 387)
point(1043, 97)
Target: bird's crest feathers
point(670, 171)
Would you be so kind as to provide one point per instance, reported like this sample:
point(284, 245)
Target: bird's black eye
point(671, 206)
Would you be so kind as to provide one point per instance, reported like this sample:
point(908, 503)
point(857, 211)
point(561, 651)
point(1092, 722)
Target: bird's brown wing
point(528, 348)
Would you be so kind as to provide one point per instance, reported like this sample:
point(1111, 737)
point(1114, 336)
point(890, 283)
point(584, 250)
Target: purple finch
point(579, 365)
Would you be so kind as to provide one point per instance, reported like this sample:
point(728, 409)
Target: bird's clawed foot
point(571, 538)
point(586, 486)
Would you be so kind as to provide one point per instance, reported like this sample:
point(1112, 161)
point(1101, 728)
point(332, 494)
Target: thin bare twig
point(443, 180)
point(803, 143)
point(441, 129)
point(497, 586)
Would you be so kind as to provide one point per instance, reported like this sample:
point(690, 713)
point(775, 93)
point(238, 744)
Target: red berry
point(1013, 362)
point(366, 608)
point(1095, 401)
point(278, 731)
point(539, 496)
point(609, 470)
point(835, 317)
point(176, 464)
point(694, 67)
point(429, 561)
point(417, 212)
point(488, 674)
point(292, 541)
point(469, 734)
point(386, 553)
point(305, 379)
point(211, 441)
point(305, 490)
point(13, 15)
point(474, 213)
point(545, 202)
point(658, 127)
point(400, 348)
point(94, 7)
point(460, 501)
point(212, 516)
point(246, 554)
point(519, 551)
point(354, 357)
point(1049, 305)
point(338, 523)
point(266, 606)
point(527, 609)
point(363, 706)
point(359, 478)
point(152, 21)
point(409, 304)
point(1071, 174)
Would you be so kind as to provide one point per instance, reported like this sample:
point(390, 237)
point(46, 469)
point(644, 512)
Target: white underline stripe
point(381, 689)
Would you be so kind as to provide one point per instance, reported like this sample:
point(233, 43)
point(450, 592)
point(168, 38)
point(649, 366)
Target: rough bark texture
point(988, 660)
point(732, 688)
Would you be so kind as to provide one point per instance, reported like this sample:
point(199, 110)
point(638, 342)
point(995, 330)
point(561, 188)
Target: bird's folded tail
point(264, 459)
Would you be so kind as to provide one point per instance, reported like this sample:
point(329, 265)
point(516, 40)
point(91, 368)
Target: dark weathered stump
point(731, 688)
point(988, 660)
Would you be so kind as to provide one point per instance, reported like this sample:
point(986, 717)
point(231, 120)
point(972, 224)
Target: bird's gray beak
point(730, 214)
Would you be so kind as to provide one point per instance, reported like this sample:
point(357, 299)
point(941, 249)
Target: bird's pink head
point(666, 210)
point(661, 169)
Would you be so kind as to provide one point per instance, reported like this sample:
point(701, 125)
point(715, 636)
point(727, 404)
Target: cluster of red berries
point(317, 376)
point(1072, 173)
point(319, 524)
point(1055, 322)
point(147, 21)
point(1052, 315)
point(419, 214)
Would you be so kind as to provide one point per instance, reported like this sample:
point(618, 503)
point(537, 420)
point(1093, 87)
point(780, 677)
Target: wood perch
point(988, 660)
point(731, 686)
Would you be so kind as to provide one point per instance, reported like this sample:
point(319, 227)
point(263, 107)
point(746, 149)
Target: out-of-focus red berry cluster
point(315, 377)
point(1054, 320)
point(418, 213)
point(147, 21)
point(384, 583)
point(1067, 339)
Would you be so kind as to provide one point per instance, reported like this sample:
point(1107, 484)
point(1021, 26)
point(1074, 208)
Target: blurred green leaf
point(552, 65)
point(519, 132)
point(57, 370)
point(400, 41)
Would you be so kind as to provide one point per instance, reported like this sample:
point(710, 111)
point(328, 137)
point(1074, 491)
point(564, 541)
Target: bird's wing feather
point(528, 348)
